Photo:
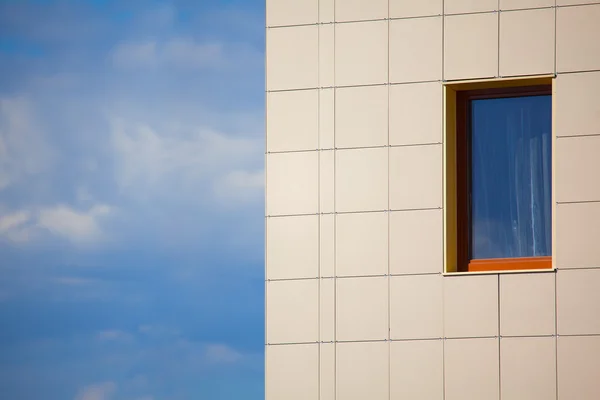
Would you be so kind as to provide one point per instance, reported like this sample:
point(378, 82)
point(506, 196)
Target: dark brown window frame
point(463, 182)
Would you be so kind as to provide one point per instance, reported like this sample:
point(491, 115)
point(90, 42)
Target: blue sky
point(131, 199)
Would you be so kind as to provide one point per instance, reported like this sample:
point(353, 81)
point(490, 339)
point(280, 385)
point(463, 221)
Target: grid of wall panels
point(356, 303)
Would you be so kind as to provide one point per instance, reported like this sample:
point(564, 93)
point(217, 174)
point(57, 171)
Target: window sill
point(508, 266)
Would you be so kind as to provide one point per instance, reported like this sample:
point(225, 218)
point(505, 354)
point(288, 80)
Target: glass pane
point(511, 158)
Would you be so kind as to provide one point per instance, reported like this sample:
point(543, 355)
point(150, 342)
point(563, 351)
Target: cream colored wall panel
point(293, 311)
point(471, 46)
point(528, 368)
point(578, 366)
point(417, 242)
point(292, 120)
point(527, 42)
point(361, 180)
point(416, 49)
point(411, 8)
point(416, 368)
point(469, 6)
point(577, 33)
point(416, 113)
point(292, 183)
point(578, 301)
point(521, 4)
point(327, 371)
point(471, 306)
point(292, 12)
point(293, 57)
point(577, 167)
point(292, 372)
point(326, 181)
point(362, 308)
point(361, 53)
point(326, 10)
point(577, 235)
point(327, 306)
point(326, 55)
point(327, 248)
point(577, 110)
point(527, 304)
point(574, 2)
point(362, 371)
point(362, 244)
point(360, 10)
point(415, 177)
point(361, 116)
point(471, 369)
point(292, 247)
point(416, 307)
point(326, 118)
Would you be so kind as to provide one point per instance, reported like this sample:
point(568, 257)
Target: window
point(503, 178)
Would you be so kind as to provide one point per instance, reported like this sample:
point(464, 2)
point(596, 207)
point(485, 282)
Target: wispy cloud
point(98, 391)
point(76, 226)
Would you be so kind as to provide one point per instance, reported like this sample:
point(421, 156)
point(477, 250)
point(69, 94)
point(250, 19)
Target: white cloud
point(241, 186)
point(14, 226)
point(179, 52)
point(23, 148)
point(221, 354)
point(98, 391)
point(75, 226)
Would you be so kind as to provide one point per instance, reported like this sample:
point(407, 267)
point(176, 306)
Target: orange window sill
point(510, 264)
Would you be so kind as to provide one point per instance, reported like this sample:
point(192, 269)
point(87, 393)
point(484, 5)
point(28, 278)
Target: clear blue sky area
point(131, 200)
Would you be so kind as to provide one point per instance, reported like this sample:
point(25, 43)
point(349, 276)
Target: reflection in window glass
point(511, 167)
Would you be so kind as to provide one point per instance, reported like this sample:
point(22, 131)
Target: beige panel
point(293, 311)
point(326, 181)
point(327, 305)
point(292, 372)
point(327, 360)
point(415, 177)
point(361, 181)
point(527, 42)
point(293, 57)
point(361, 53)
point(577, 235)
point(471, 369)
point(578, 301)
point(362, 308)
point(469, 6)
point(292, 247)
point(411, 8)
point(293, 120)
point(416, 113)
point(292, 12)
point(521, 4)
point(326, 10)
point(362, 371)
point(416, 307)
point(527, 304)
point(327, 247)
point(326, 118)
point(360, 10)
point(471, 46)
point(577, 167)
point(528, 368)
point(326, 55)
point(361, 244)
point(574, 2)
point(578, 367)
point(292, 183)
point(471, 306)
point(416, 49)
point(416, 239)
point(361, 116)
point(417, 369)
point(577, 32)
point(577, 107)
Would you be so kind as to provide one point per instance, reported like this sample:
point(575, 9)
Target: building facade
point(432, 199)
